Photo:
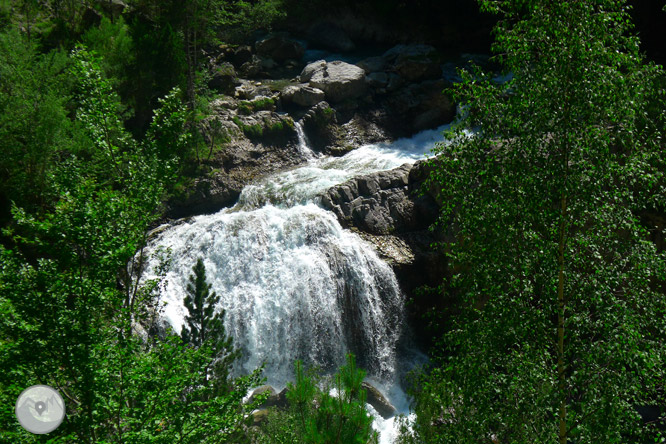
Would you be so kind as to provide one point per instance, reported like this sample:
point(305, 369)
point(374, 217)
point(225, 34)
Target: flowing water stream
point(293, 282)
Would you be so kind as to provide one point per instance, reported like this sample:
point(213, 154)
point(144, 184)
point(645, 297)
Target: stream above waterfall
point(293, 283)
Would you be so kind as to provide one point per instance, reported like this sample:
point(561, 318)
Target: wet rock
point(378, 401)
point(339, 80)
point(206, 196)
point(320, 126)
point(330, 36)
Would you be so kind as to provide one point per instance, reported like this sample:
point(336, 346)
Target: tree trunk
point(561, 306)
point(561, 376)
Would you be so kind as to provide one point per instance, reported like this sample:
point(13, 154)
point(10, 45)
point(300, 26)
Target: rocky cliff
point(393, 211)
point(267, 88)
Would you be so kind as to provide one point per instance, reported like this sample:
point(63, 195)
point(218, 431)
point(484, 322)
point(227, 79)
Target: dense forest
point(542, 300)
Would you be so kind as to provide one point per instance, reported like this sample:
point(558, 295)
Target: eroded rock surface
point(381, 203)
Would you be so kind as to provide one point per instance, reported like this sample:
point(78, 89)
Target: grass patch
point(246, 107)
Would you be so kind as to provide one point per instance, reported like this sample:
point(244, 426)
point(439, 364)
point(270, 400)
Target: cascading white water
point(293, 282)
point(294, 285)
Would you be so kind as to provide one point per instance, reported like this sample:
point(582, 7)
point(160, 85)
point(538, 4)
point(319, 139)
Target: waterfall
point(303, 144)
point(294, 283)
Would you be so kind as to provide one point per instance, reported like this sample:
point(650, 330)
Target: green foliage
point(167, 134)
point(261, 104)
point(34, 128)
point(205, 327)
point(562, 333)
point(253, 132)
point(317, 416)
point(112, 42)
point(245, 108)
point(237, 20)
point(74, 311)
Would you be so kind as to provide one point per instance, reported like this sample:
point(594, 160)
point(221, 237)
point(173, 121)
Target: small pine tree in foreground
point(205, 327)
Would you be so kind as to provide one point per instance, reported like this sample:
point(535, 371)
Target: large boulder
point(321, 128)
point(330, 36)
point(376, 399)
point(339, 80)
point(279, 47)
point(302, 95)
point(206, 196)
point(394, 218)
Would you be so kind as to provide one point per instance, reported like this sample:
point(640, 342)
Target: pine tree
point(205, 327)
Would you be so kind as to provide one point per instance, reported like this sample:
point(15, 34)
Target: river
point(294, 283)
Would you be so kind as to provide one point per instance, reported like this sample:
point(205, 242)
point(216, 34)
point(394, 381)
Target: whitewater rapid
point(293, 283)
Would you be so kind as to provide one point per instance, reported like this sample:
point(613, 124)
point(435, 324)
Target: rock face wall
point(382, 203)
point(266, 88)
point(388, 210)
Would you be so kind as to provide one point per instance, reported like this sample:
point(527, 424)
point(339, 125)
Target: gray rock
point(310, 70)
point(249, 90)
point(378, 401)
point(279, 47)
point(267, 127)
point(302, 95)
point(338, 80)
point(381, 203)
point(330, 36)
point(114, 7)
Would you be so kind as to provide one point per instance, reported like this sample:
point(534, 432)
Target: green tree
point(205, 325)
point(73, 311)
point(34, 128)
point(318, 417)
point(562, 331)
